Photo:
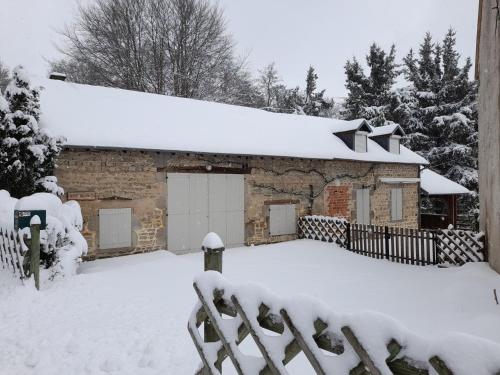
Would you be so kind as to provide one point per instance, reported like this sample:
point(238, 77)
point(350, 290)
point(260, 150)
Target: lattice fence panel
point(324, 228)
point(12, 252)
point(458, 247)
point(365, 344)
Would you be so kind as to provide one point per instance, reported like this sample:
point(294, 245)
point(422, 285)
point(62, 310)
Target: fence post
point(213, 247)
point(35, 250)
point(387, 237)
point(435, 239)
point(348, 231)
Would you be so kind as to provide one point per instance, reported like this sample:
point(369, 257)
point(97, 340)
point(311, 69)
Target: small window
point(115, 228)
point(360, 140)
point(396, 204)
point(363, 206)
point(394, 144)
point(282, 219)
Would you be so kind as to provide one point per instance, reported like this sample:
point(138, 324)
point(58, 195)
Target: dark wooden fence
point(401, 245)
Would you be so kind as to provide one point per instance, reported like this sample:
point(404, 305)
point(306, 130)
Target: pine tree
point(4, 76)
point(315, 103)
point(370, 96)
point(439, 112)
point(357, 85)
point(27, 153)
point(310, 83)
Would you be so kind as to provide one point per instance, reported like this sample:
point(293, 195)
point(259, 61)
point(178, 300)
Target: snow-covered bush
point(62, 244)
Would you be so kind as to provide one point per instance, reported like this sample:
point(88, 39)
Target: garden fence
point(12, 252)
point(402, 245)
point(15, 256)
point(363, 344)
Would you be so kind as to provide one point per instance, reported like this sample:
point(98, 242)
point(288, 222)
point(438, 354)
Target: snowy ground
point(128, 315)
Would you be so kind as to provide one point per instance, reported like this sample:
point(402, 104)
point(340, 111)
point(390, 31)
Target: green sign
point(22, 218)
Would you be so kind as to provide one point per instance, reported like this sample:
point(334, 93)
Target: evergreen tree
point(310, 83)
point(439, 112)
point(357, 86)
point(27, 153)
point(4, 76)
point(369, 96)
point(315, 103)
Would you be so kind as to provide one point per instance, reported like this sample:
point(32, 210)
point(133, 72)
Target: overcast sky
point(292, 33)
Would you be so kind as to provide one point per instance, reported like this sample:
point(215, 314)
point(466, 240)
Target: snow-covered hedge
point(62, 244)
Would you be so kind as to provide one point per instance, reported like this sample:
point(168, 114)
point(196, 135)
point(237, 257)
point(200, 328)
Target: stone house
point(156, 172)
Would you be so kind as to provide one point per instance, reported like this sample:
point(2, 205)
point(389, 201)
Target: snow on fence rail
point(402, 245)
point(363, 344)
point(12, 252)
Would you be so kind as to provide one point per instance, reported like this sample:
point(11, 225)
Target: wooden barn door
point(201, 203)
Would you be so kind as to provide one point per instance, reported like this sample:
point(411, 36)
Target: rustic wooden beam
point(440, 366)
point(302, 343)
point(360, 350)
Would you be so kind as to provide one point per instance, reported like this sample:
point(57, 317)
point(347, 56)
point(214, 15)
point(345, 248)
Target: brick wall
point(337, 201)
point(137, 180)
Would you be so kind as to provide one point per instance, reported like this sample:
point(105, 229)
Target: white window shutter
point(360, 141)
point(363, 206)
point(115, 228)
point(400, 204)
point(397, 204)
point(282, 219)
point(366, 204)
point(394, 145)
point(359, 206)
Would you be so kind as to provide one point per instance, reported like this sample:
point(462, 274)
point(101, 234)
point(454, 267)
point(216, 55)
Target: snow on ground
point(128, 315)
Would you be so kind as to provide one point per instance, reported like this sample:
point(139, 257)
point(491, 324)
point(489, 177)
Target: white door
point(201, 203)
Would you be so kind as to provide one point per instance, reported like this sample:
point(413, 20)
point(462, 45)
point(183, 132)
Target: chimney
point(58, 76)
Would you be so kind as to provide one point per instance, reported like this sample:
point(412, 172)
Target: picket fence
point(369, 348)
point(402, 245)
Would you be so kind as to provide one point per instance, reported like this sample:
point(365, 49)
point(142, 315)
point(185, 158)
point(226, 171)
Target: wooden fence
point(12, 253)
point(402, 245)
point(369, 348)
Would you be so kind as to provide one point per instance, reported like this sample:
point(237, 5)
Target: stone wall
point(114, 179)
point(137, 180)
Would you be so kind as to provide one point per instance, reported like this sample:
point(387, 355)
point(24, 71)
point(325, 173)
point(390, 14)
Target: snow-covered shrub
point(62, 244)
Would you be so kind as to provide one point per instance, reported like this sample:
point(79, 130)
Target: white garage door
point(201, 203)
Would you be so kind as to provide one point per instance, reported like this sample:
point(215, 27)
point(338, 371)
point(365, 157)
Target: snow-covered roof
point(92, 116)
point(352, 125)
point(390, 129)
point(435, 184)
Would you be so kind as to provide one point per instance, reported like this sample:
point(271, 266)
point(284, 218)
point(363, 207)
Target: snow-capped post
point(213, 247)
point(35, 223)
